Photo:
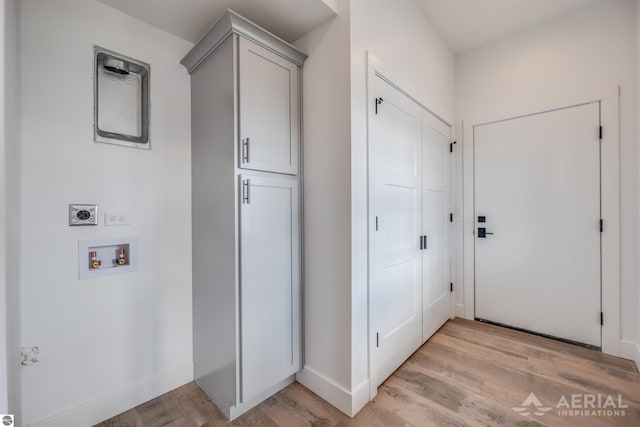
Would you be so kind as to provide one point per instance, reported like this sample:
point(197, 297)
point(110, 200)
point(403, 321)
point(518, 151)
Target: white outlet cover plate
point(117, 218)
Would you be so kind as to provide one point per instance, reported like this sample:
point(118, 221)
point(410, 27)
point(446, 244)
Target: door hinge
point(600, 132)
point(377, 340)
point(376, 223)
point(451, 146)
point(423, 242)
point(601, 226)
point(451, 217)
point(601, 318)
point(378, 102)
point(450, 287)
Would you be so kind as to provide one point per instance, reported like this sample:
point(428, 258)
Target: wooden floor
point(468, 373)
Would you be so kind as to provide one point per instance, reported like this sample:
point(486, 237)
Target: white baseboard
point(359, 397)
point(349, 402)
point(630, 350)
point(121, 400)
point(460, 310)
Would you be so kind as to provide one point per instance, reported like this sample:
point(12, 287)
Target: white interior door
point(537, 187)
point(436, 261)
point(269, 284)
point(395, 226)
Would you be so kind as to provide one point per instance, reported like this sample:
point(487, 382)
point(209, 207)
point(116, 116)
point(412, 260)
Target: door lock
point(482, 233)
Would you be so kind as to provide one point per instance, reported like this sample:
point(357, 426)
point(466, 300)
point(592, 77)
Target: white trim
point(359, 397)
point(348, 402)
point(117, 401)
point(610, 199)
point(630, 350)
point(610, 202)
point(377, 71)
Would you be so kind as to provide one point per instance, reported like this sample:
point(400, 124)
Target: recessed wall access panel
point(105, 257)
point(83, 214)
point(121, 99)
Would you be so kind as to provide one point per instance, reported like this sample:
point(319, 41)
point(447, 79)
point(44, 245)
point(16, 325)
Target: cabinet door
point(269, 110)
point(269, 283)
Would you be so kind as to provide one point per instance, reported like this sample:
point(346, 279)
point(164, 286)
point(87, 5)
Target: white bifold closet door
point(408, 237)
point(537, 206)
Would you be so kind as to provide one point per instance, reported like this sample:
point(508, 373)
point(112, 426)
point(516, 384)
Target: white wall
point(326, 174)
point(335, 174)
point(11, 175)
point(568, 58)
point(110, 343)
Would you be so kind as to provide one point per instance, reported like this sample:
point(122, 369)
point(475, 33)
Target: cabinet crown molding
point(231, 23)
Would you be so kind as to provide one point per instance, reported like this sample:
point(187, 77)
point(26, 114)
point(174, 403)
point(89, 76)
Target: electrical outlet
point(83, 214)
point(117, 218)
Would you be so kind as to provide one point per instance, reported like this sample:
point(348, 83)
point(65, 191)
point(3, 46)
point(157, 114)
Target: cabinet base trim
point(348, 402)
point(236, 411)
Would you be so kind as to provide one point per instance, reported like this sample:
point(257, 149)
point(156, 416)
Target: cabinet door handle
point(245, 150)
point(245, 191)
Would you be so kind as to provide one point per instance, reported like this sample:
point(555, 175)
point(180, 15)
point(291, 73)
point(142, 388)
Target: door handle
point(245, 191)
point(482, 233)
point(245, 150)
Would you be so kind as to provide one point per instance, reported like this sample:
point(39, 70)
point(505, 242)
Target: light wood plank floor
point(467, 374)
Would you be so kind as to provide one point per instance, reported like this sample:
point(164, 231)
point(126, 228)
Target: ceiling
point(190, 19)
point(466, 24)
point(462, 24)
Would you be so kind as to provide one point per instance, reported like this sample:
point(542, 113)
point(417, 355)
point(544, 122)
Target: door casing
point(537, 182)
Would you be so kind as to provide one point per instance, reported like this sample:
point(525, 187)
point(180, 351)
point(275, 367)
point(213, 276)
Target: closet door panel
point(395, 229)
point(436, 261)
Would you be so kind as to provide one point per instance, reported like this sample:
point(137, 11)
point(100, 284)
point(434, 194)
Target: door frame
point(373, 71)
point(610, 204)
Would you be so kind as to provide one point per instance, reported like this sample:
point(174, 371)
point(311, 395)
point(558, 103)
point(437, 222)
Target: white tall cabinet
point(245, 97)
